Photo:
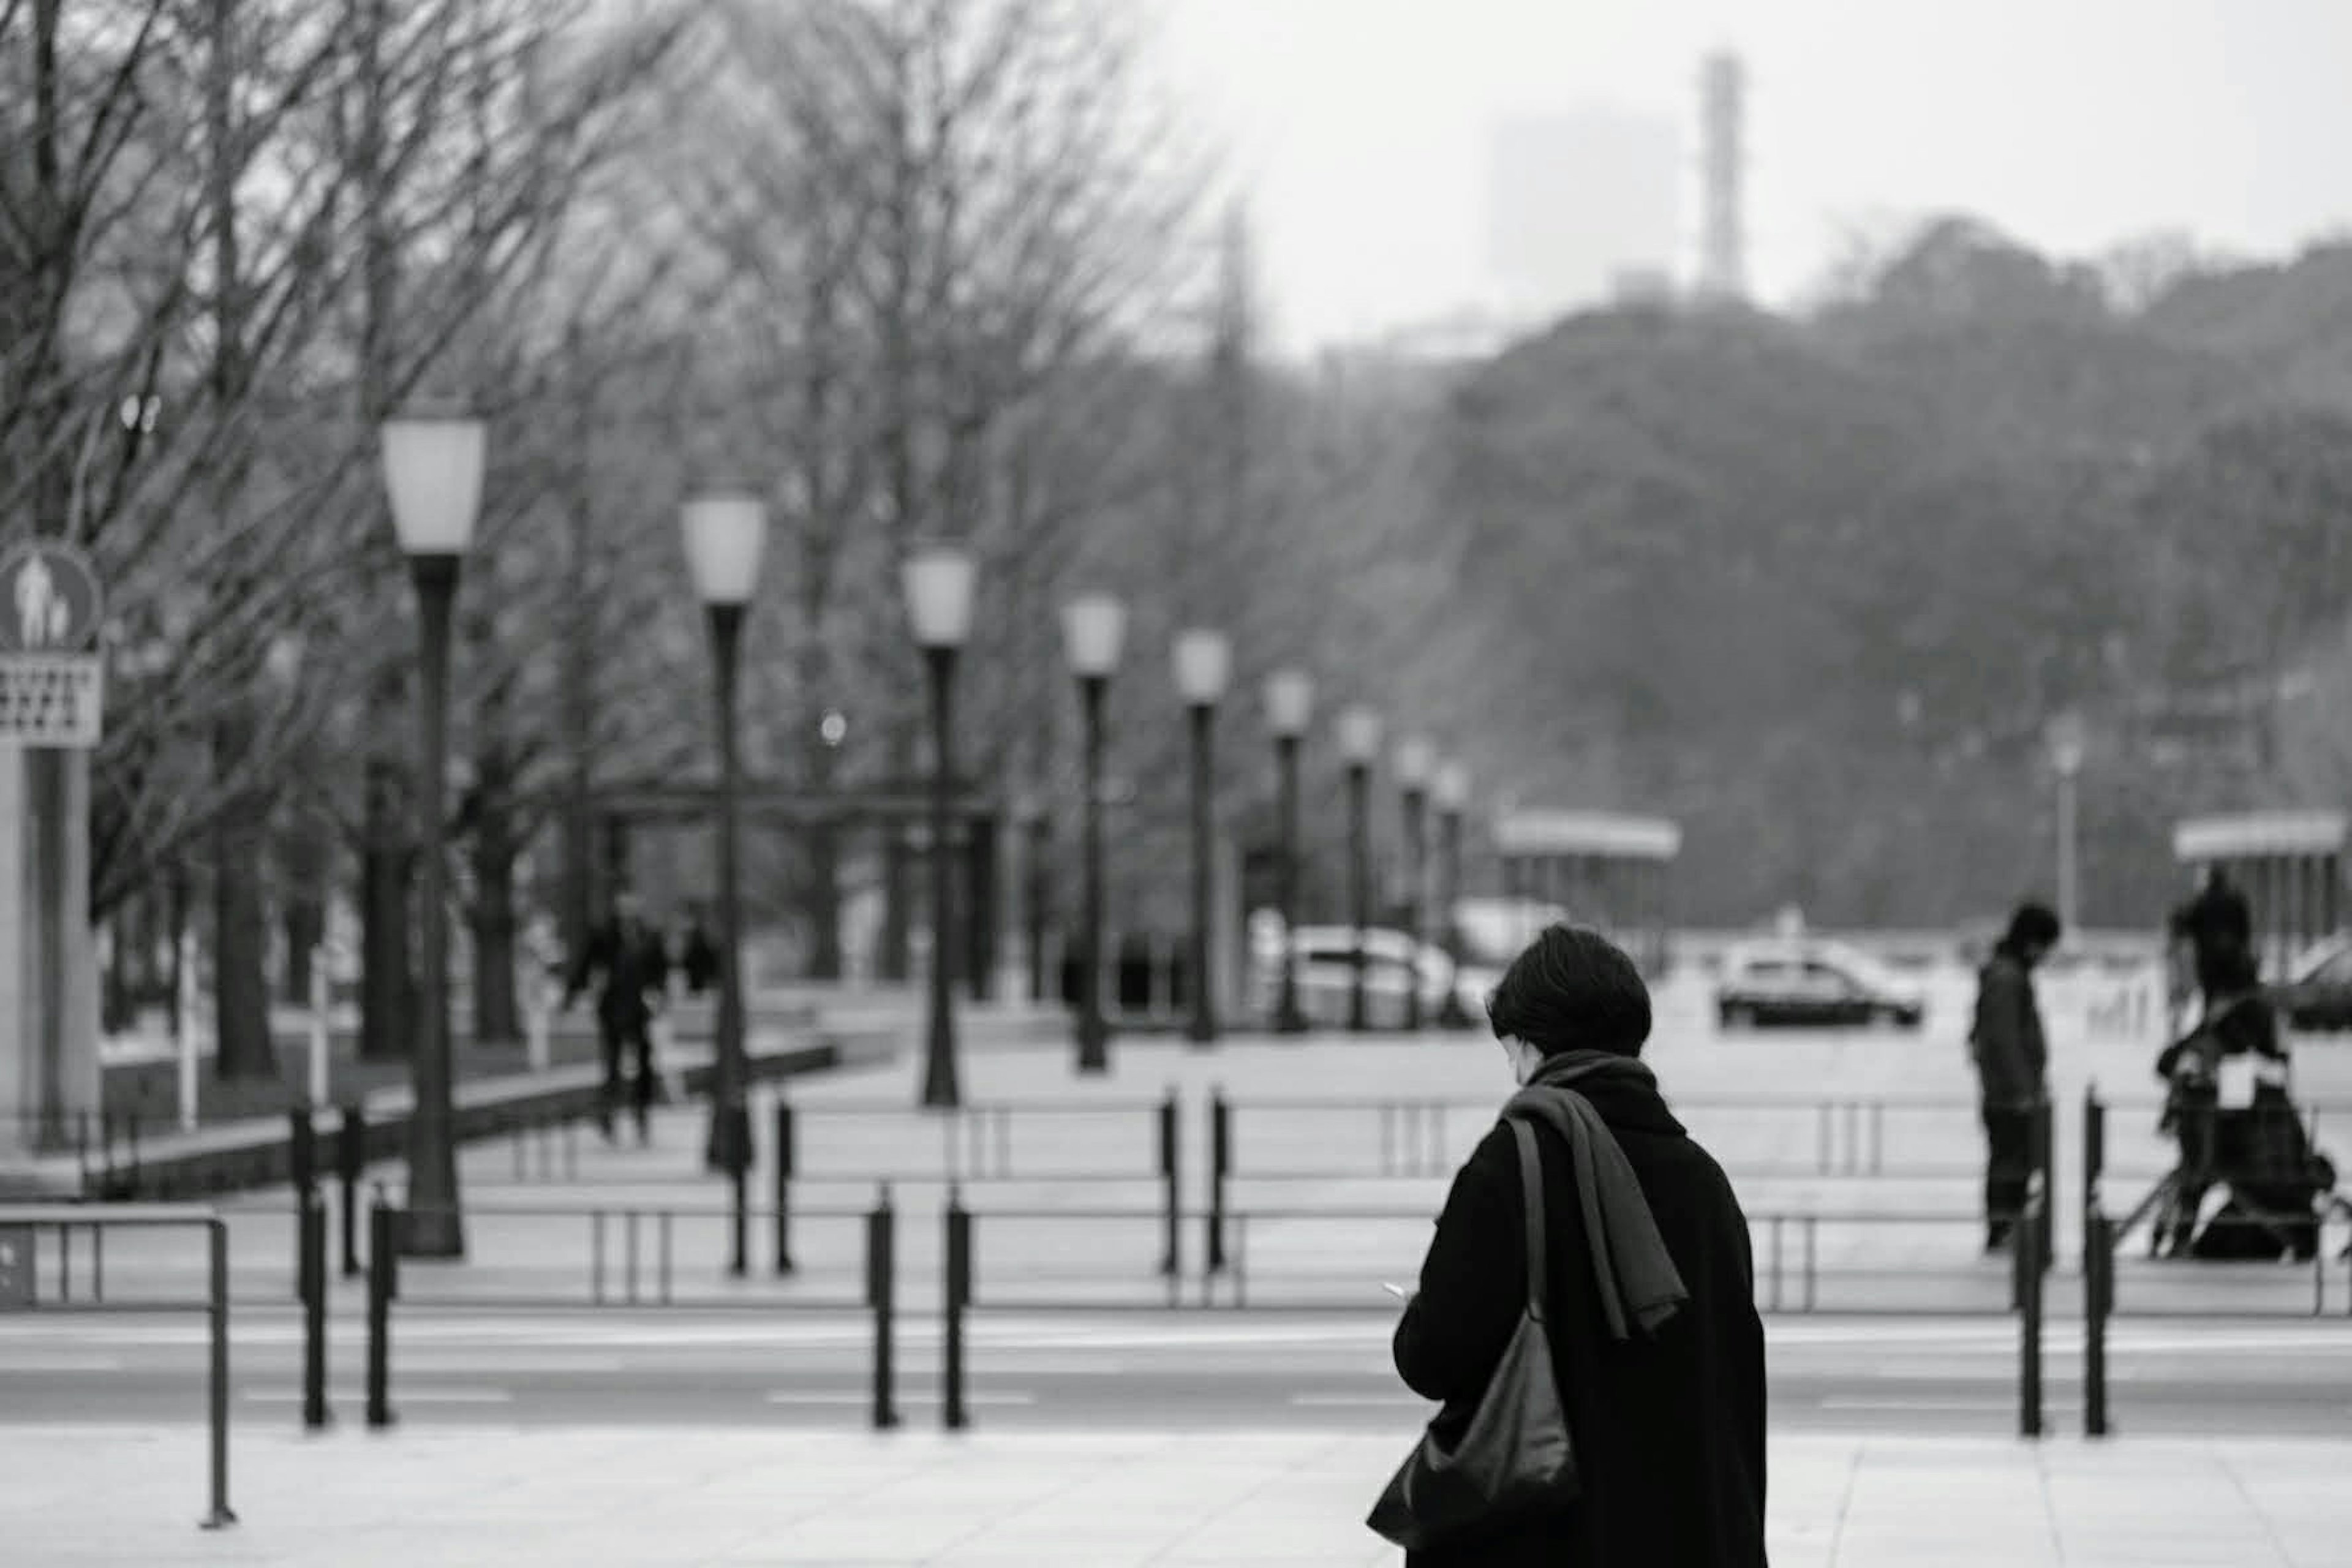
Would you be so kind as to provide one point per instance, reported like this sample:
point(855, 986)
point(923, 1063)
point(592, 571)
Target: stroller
point(2278, 1189)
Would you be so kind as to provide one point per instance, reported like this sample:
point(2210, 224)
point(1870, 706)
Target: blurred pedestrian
point(1650, 1317)
point(628, 954)
point(2218, 927)
point(2013, 1060)
point(698, 953)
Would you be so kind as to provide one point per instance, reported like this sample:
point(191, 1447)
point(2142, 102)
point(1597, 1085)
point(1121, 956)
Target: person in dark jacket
point(629, 955)
point(1654, 1327)
point(2012, 1061)
point(698, 953)
point(2218, 926)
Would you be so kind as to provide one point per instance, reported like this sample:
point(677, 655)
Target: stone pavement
point(590, 1497)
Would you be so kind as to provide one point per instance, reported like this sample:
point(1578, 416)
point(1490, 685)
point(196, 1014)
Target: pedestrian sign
point(51, 679)
point(15, 1267)
point(51, 604)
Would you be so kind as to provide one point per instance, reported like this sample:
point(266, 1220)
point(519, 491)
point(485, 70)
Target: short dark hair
point(1572, 989)
point(2032, 925)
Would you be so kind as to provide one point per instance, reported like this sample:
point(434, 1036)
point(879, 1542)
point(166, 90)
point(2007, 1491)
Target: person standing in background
point(2013, 1062)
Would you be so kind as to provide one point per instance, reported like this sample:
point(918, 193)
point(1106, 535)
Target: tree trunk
point(176, 920)
point(384, 978)
point(240, 927)
point(120, 1011)
point(497, 1017)
point(302, 910)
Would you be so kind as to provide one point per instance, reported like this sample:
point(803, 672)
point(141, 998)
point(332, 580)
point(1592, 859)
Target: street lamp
point(1360, 742)
point(1203, 664)
point(1414, 758)
point(938, 579)
point(725, 535)
point(1290, 702)
point(433, 464)
point(2067, 744)
point(1451, 791)
point(1093, 626)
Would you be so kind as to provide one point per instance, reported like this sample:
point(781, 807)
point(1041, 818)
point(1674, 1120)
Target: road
point(1112, 1370)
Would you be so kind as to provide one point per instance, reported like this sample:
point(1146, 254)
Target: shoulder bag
point(1515, 1459)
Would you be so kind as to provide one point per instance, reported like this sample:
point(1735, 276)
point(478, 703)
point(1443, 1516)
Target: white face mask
point(1524, 1058)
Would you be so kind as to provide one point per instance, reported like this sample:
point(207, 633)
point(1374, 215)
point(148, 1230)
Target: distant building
point(1575, 200)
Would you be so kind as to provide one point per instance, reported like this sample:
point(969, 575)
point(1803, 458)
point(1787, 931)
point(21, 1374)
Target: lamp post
point(433, 468)
point(1360, 742)
point(1414, 758)
point(1451, 792)
point(1203, 664)
point(1289, 703)
point(2067, 744)
point(725, 535)
point(938, 581)
point(1093, 626)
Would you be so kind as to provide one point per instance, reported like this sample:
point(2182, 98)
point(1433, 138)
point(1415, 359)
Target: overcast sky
point(1361, 126)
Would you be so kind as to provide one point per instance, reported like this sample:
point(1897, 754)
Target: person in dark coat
point(628, 954)
point(1653, 1328)
point(2218, 925)
point(2013, 1060)
point(698, 953)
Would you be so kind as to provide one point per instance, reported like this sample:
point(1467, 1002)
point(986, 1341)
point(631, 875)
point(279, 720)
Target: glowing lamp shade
point(1204, 663)
point(2067, 742)
point(433, 468)
point(938, 582)
point(1359, 734)
point(1290, 702)
point(1451, 788)
point(1093, 627)
point(725, 537)
point(1414, 758)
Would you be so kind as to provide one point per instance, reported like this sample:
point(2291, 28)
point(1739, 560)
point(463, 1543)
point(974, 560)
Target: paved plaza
point(588, 1498)
point(731, 1429)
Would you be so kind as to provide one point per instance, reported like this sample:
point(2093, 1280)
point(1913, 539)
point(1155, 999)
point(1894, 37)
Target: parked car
point(1323, 957)
point(1812, 983)
point(2316, 994)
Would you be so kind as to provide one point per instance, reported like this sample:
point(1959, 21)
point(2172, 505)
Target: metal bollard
point(1170, 1167)
point(313, 1291)
point(2095, 1147)
point(958, 1297)
point(220, 1516)
point(1220, 1159)
point(880, 1290)
point(2028, 1257)
point(350, 1163)
point(2098, 1262)
point(383, 1254)
point(2043, 1161)
point(302, 1149)
point(303, 1171)
point(783, 1185)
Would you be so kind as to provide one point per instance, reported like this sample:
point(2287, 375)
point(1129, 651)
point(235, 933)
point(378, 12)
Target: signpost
point(51, 690)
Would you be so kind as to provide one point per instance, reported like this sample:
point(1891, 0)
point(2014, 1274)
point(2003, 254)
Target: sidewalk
point(593, 1498)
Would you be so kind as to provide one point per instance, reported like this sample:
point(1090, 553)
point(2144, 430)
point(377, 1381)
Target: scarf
point(1636, 1276)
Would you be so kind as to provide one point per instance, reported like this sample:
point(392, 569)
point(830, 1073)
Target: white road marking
point(1841, 1403)
point(399, 1397)
point(902, 1396)
point(60, 1363)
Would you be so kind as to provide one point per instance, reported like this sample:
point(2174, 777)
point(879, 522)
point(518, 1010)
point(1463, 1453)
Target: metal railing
point(1849, 1135)
point(637, 1281)
point(977, 1146)
point(20, 1228)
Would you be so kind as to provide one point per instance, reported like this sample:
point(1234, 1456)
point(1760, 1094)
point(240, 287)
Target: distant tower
point(1723, 260)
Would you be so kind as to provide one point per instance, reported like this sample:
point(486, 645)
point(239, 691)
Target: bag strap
point(1531, 1186)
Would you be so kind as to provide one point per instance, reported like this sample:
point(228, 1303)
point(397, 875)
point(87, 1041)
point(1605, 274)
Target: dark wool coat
point(1669, 1431)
